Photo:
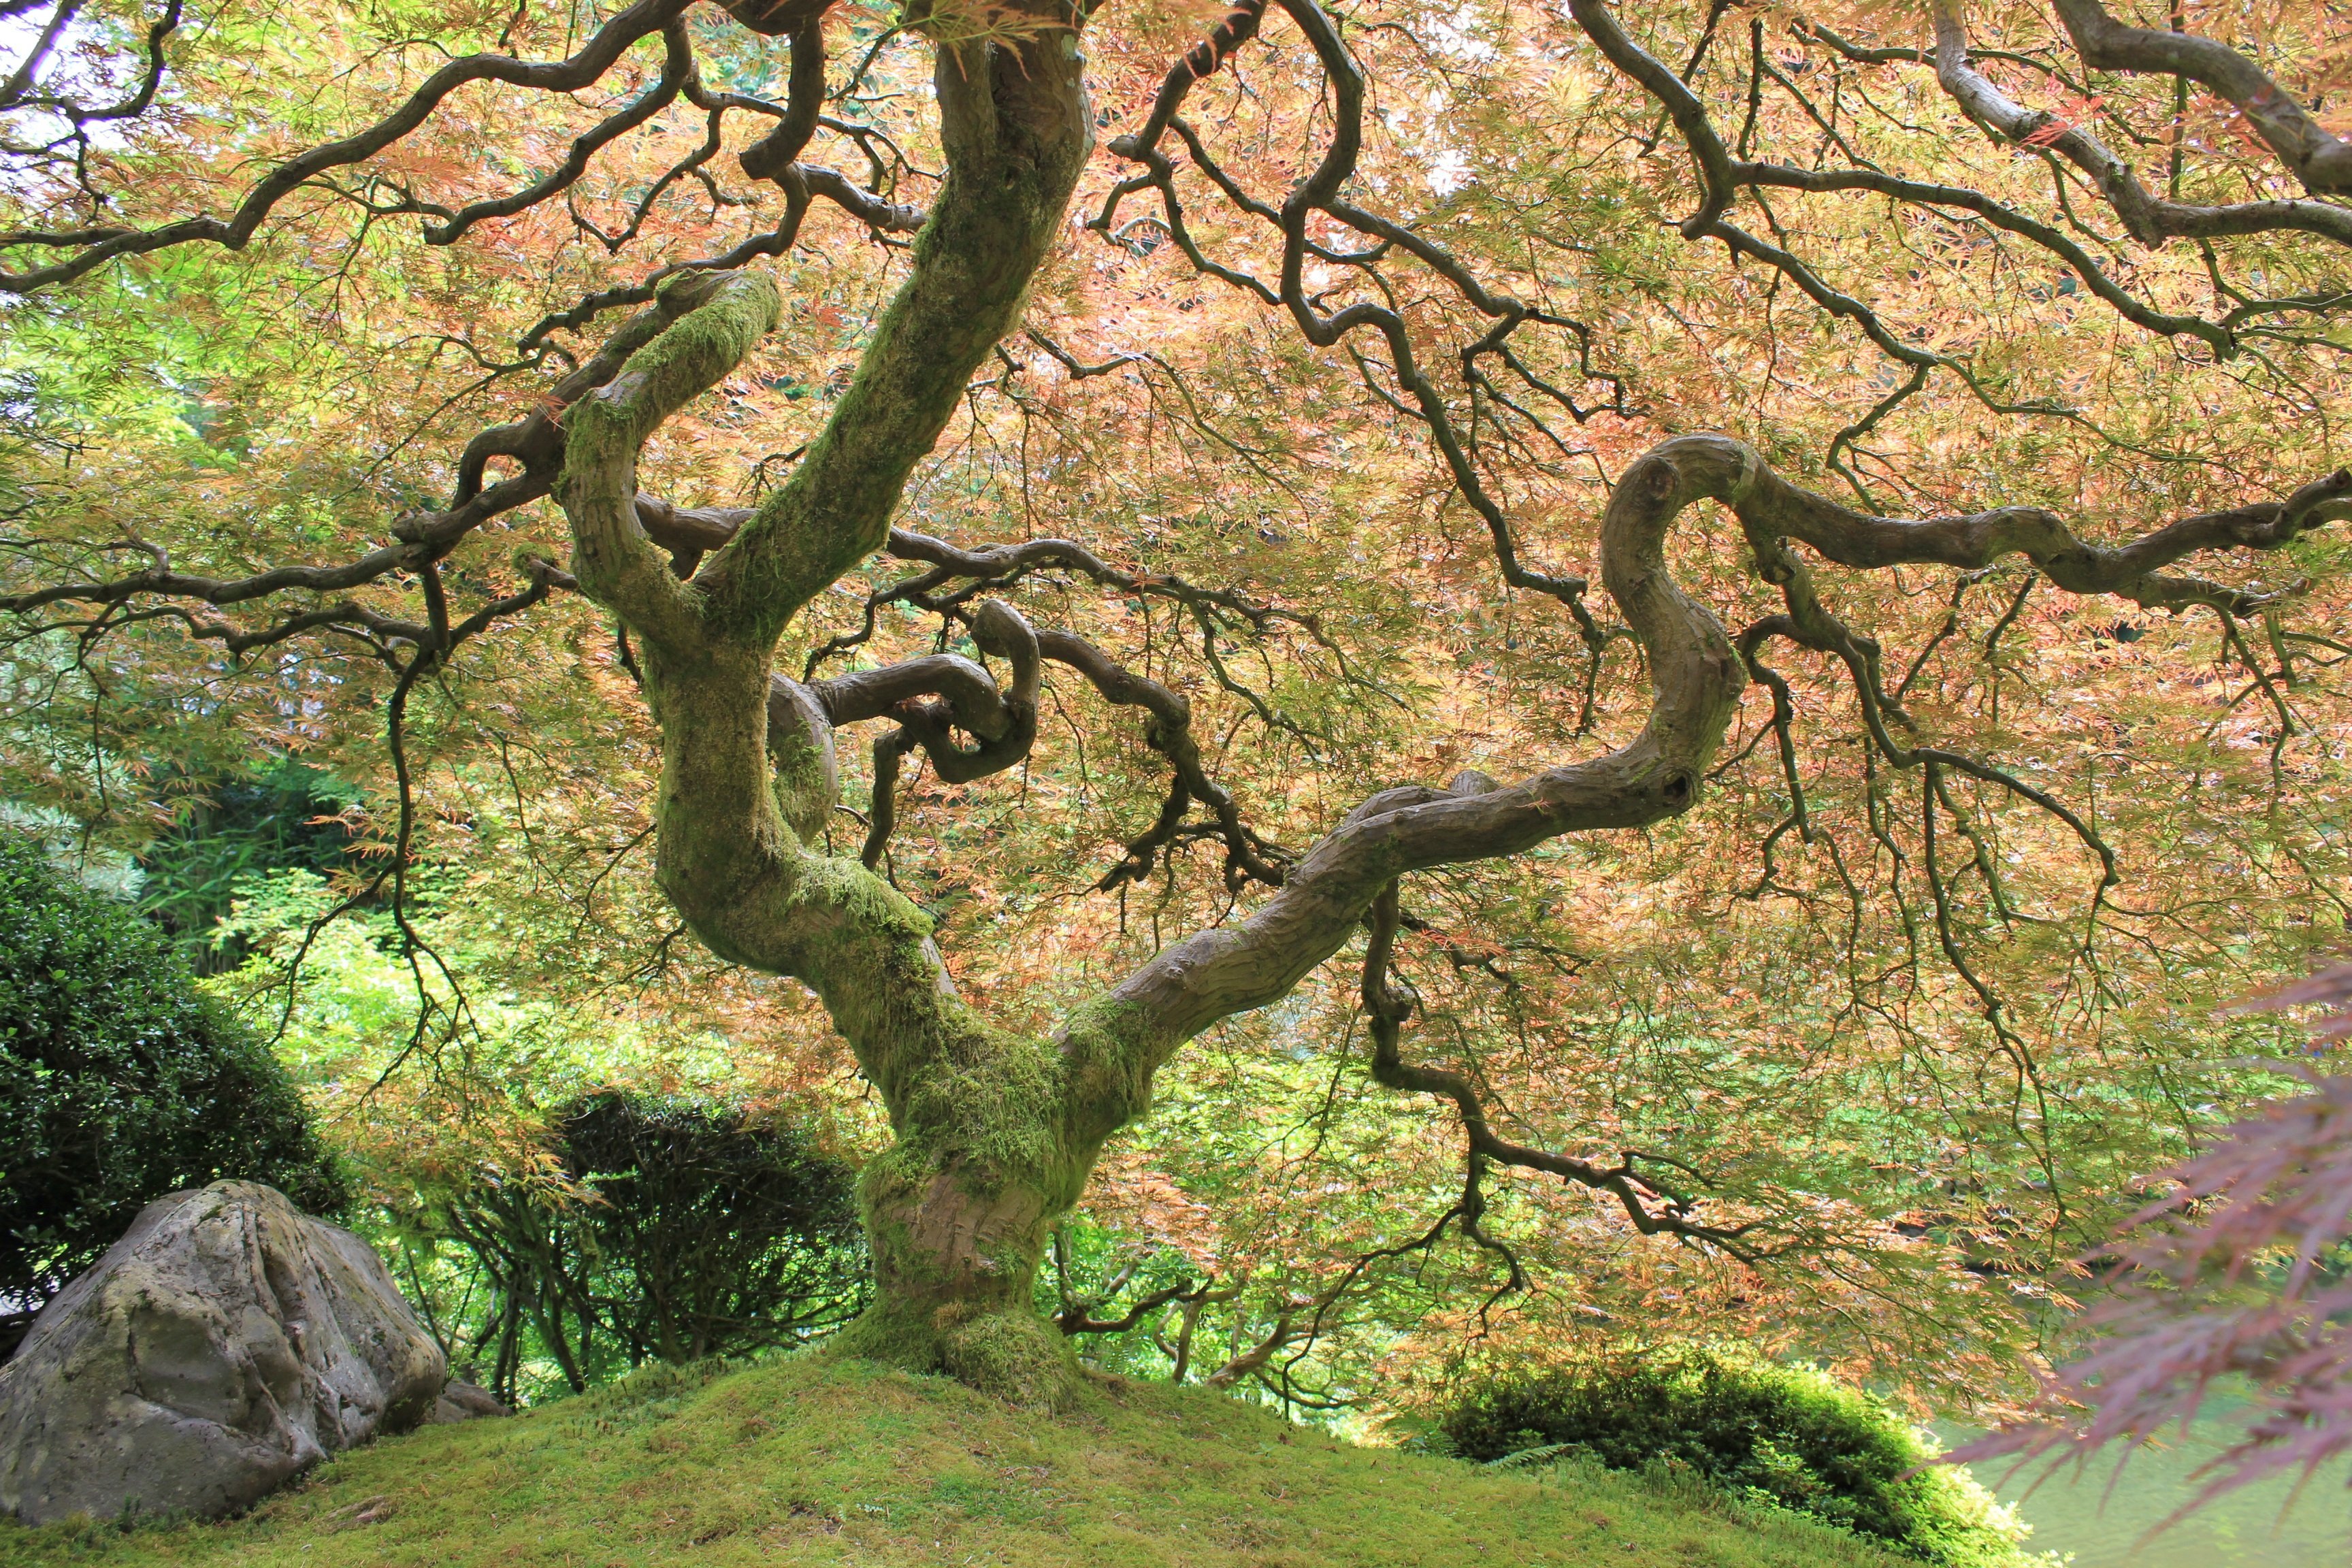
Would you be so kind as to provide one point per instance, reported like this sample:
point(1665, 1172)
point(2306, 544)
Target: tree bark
point(997, 1131)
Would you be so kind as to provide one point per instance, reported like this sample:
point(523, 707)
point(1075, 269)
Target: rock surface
point(465, 1401)
point(227, 1342)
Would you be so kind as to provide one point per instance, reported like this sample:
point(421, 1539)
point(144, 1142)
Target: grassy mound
point(812, 1460)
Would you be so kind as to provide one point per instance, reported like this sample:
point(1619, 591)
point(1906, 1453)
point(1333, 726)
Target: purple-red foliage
point(2231, 1273)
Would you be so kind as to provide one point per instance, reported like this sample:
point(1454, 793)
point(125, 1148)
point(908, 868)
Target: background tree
point(244, 823)
point(1424, 294)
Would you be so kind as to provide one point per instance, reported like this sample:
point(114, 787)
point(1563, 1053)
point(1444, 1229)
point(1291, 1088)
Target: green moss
point(997, 1109)
point(693, 352)
point(1015, 1355)
point(865, 899)
point(807, 772)
point(1003, 1350)
point(726, 316)
point(1111, 1047)
point(811, 1461)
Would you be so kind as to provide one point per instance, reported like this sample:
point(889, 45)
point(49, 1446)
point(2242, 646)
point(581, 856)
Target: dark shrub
point(117, 1084)
point(706, 1230)
point(1787, 1435)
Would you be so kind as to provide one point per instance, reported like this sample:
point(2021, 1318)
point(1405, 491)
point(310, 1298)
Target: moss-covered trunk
point(996, 1131)
point(987, 1154)
point(956, 1251)
point(959, 1209)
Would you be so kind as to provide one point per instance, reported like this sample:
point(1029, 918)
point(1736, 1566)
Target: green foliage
point(734, 1174)
point(1791, 1437)
point(117, 1084)
point(677, 1227)
point(271, 818)
point(820, 1459)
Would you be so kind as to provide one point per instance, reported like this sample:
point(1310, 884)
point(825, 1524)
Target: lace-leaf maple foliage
point(1242, 477)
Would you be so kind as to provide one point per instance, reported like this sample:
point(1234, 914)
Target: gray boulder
point(465, 1401)
point(227, 1343)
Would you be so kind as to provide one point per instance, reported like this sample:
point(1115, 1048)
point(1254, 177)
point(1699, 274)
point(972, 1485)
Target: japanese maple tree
point(1404, 290)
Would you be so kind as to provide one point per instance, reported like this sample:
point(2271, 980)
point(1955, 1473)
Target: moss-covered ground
point(829, 1460)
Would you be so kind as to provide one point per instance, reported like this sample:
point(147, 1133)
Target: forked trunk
point(958, 1210)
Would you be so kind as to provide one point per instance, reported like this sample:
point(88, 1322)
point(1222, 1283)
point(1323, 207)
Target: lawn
point(821, 1460)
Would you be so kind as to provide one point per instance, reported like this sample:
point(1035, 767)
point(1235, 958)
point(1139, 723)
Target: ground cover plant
point(1787, 1434)
point(811, 1461)
point(1191, 441)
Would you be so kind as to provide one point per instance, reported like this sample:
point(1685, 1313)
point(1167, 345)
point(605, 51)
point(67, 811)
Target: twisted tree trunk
point(958, 1210)
point(997, 1131)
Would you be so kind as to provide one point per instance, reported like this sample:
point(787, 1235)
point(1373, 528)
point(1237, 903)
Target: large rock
point(224, 1345)
point(465, 1401)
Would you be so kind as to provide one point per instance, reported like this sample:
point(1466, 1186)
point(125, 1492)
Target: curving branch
point(1696, 677)
point(2133, 571)
point(1002, 721)
point(1005, 725)
point(1653, 1209)
point(1986, 104)
point(2321, 161)
point(95, 246)
point(2148, 219)
point(534, 443)
point(677, 70)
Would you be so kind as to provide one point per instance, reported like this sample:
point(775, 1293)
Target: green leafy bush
point(1789, 1436)
point(117, 1084)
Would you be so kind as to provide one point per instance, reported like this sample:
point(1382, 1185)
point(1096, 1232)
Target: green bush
point(1789, 1436)
point(117, 1084)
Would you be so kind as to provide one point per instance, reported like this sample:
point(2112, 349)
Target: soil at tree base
point(810, 1459)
